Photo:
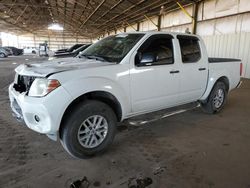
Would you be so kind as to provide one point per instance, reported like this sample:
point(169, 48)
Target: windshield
point(113, 48)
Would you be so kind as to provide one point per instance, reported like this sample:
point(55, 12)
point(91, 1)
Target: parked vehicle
point(8, 50)
point(3, 53)
point(62, 50)
point(16, 51)
point(82, 99)
point(71, 49)
point(74, 53)
point(30, 50)
point(43, 49)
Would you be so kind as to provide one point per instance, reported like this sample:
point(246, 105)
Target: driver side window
point(157, 50)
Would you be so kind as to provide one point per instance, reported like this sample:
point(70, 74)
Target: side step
point(161, 114)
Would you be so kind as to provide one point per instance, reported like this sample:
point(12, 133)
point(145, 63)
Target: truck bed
point(228, 67)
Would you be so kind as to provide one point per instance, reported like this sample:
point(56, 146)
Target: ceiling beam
point(113, 7)
point(126, 10)
point(139, 16)
point(36, 5)
point(146, 9)
point(11, 7)
point(15, 25)
point(87, 19)
point(21, 14)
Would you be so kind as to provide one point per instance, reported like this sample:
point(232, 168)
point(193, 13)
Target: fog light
point(37, 119)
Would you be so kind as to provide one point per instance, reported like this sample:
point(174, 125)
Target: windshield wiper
point(96, 57)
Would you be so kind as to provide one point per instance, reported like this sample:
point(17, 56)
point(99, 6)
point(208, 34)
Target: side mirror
point(143, 59)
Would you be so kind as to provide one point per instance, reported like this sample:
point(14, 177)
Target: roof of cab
point(158, 32)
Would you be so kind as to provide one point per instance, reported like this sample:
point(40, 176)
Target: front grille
point(23, 83)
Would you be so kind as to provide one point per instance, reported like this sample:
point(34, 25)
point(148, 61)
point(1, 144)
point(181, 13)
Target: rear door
point(154, 85)
point(193, 69)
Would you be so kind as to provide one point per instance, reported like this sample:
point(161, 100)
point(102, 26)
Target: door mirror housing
point(144, 59)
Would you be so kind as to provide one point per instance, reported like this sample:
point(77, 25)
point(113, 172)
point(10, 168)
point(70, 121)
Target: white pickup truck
point(80, 100)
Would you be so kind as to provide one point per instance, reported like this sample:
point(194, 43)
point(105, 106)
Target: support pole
point(159, 23)
point(138, 26)
point(193, 17)
point(194, 20)
point(34, 40)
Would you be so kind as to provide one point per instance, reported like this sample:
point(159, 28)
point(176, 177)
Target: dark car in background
point(3, 53)
point(73, 53)
point(71, 49)
point(16, 51)
point(8, 50)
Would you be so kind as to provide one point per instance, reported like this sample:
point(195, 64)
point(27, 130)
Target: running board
point(161, 114)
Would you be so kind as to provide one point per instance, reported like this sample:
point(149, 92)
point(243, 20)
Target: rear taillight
point(241, 69)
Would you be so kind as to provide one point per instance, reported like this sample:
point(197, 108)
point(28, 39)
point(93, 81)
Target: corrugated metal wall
point(232, 46)
point(223, 24)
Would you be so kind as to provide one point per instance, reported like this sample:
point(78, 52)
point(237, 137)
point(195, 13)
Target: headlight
point(42, 86)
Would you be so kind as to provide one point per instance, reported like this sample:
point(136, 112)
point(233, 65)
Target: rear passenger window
point(190, 49)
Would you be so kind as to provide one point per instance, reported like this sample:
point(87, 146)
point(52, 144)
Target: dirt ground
point(187, 150)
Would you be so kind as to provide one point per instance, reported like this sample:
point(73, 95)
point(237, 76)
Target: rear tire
point(216, 100)
point(89, 129)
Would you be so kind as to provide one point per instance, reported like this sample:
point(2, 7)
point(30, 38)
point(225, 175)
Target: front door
point(154, 75)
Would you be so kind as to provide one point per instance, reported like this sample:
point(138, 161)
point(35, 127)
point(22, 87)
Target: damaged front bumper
point(17, 111)
point(41, 114)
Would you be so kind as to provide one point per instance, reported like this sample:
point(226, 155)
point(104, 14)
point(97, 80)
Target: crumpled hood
point(58, 65)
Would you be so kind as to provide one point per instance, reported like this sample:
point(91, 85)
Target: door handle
point(174, 72)
point(202, 69)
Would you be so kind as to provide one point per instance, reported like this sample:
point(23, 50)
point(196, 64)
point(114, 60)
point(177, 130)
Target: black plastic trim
point(174, 72)
point(221, 60)
point(202, 69)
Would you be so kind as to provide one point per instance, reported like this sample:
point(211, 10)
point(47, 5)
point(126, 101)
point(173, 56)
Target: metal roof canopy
point(88, 18)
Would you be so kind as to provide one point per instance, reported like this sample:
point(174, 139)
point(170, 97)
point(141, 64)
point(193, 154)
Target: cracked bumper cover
point(49, 109)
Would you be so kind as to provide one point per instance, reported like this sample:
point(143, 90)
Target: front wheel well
point(102, 96)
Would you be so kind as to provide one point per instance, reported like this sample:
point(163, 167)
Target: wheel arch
point(211, 84)
point(225, 80)
point(102, 96)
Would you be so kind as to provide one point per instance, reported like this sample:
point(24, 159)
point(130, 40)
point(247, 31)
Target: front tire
point(2, 55)
point(89, 129)
point(216, 99)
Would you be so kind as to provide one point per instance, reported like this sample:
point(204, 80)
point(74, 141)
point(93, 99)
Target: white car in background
point(30, 50)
